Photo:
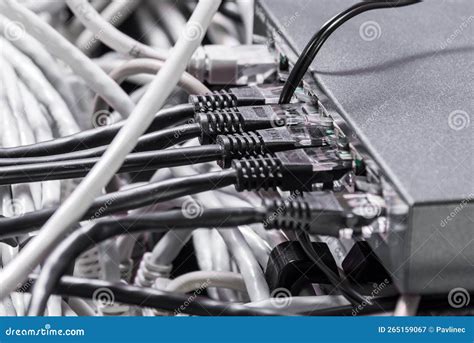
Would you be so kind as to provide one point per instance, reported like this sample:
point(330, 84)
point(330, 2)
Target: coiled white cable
point(110, 35)
point(115, 14)
point(95, 77)
point(43, 90)
point(44, 61)
point(80, 200)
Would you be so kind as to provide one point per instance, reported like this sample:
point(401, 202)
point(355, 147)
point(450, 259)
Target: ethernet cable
point(316, 42)
point(115, 14)
point(151, 141)
point(134, 162)
point(109, 34)
point(130, 198)
point(141, 117)
point(43, 90)
point(153, 298)
point(96, 137)
point(79, 241)
point(204, 279)
point(149, 66)
point(226, 149)
point(31, 48)
point(96, 79)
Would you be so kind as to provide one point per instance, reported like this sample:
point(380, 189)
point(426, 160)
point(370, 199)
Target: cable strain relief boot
point(320, 213)
point(148, 271)
point(223, 122)
point(213, 101)
point(288, 214)
point(258, 173)
point(238, 146)
point(239, 96)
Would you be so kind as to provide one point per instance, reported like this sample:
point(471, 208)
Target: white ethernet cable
point(109, 34)
point(140, 119)
point(51, 190)
point(204, 279)
point(115, 13)
point(42, 58)
point(94, 76)
point(43, 90)
point(24, 132)
point(147, 66)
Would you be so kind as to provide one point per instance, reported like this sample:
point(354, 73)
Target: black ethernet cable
point(135, 162)
point(151, 141)
point(340, 283)
point(69, 286)
point(239, 96)
point(316, 42)
point(207, 126)
point(131, 198)
point(84, 238)
point(289, 171)
point(236, 97)
point(98, 136)
point(226, 149)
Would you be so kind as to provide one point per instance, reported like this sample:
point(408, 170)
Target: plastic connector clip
point(292, 170)
point(234, 65)
point(324, 213)
point(261, 142)
point(251, 118)
point(238, 96)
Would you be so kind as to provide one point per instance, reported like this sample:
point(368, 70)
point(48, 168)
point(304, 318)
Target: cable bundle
point(85, 98)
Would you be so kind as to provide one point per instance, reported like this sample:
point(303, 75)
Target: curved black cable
point(341, 284)
point(98, 136)
point(151, 141)
point(135, 162)
point(125, 200)
point(79, 241)
point(316, 42)
point(153, 298)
